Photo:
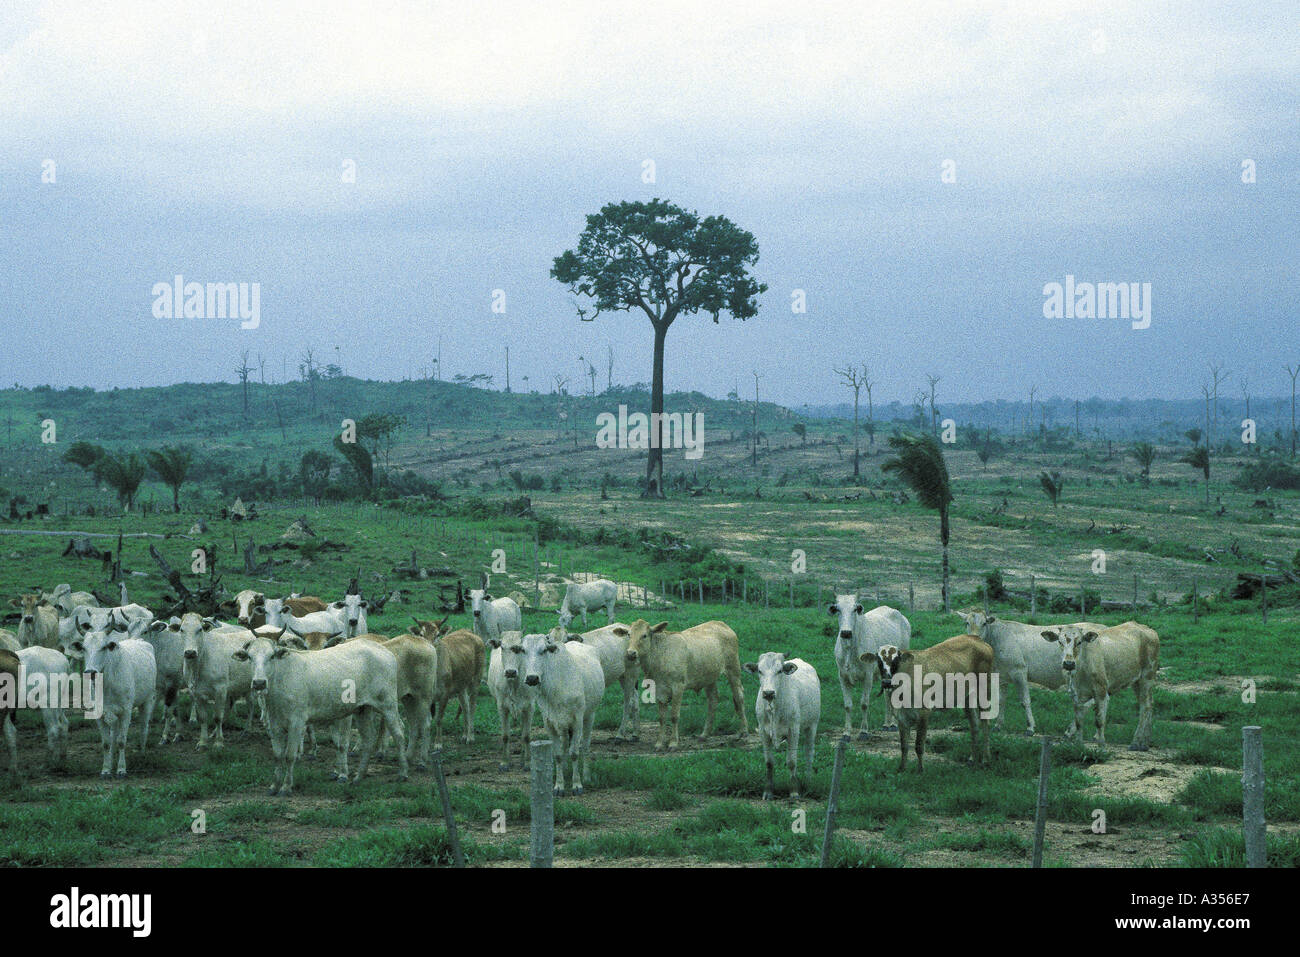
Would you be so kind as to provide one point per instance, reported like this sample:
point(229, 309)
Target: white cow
point(610, 645)
point(46, 684)
point(1020, 656)
point(303, 686)
point(68, 601)
point(127, 673)
point(858, 634)
point(788, 707)
point(493, 616)
point(169, 652)
point(332, 621)
point(514, 702)
point(584, 597)
point(218, 680)
point(38, 623)
point(568, 683)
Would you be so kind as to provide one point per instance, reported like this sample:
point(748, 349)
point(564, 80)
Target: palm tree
point(1145, 454)
point(87, 456)
point(1193, 436)
point(124, 476)
point(919, 463)
point(172, 465)
point(1052, 485)
point(800, 430)
point(1199, 458)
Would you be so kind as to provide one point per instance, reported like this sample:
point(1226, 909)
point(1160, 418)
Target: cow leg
point(661, 740)
point(292, 748)
point(561, 757)
point(738, 702)
point(869, 682)
point(711, 700)
point(469, 704)
point(146, 718)
point(792, 762)
point(204, 713)
point(394, 722)
point(677, 716)
point(1102, 704)
point(279, 735)
point(847, 691)
point(11, 744)
point(223, 702)
point(972, 718)
point(121, 738)
point(810, 745)
point(105, 743)
point(922, 726)
point(1022, 685)
point(342, 734)
point(526, 731)
point(1145, 718)
point(902, 746)
point(578, 751)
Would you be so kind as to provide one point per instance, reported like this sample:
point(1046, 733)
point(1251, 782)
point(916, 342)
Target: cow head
point(535, 650)
point(275, 611)
point(28, 604)
point(771, 667)
point(193, 628)
point(261, 652)
point(1071, 639)
point(847, 610)
point(247, 604)
point(977, 622)
point(888, 661)
point(641, 637)
point(566, 617)
point(511, 644)
point(352, 606)
point(99, 648)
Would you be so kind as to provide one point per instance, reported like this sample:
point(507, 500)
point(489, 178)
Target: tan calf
point(461, 656)
point(38, 623)
point(1098, 664)
point(681, 661)
point(959, 667)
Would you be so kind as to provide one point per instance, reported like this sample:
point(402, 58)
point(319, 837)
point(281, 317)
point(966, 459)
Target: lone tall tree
point(173, 467)
point(666, 262)
point(855, 379)
point(919, 462)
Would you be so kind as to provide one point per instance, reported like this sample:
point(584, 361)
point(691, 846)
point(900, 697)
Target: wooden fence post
point(1040, 815)
point(448, 818)
point(1263, 596)
point(911, 597)
point(542, 805)
point(1196, 611)
point(832, 802)
point(1252, 796)
point(1033, 596)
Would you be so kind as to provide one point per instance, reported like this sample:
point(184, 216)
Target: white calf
point(788, 706)
point(610, 645)
point(583, 597)
point(857, 635)
point(514, 702)
point(568, 683)
point(128, 675)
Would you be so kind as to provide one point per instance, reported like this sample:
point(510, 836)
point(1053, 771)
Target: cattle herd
point(301, 664)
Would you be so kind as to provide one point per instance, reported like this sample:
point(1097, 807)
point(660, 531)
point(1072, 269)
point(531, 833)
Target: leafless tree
point(1293, 371)
point(933, 380)
point(856, 379)
point(1219, 376)
point(243, 370)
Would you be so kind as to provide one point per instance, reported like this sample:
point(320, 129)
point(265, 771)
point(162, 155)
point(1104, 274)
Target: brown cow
point(681, 661)
point(249, 607)
point(1100, 662)
point(38, 622)
point(946, 676)
point(461, 656)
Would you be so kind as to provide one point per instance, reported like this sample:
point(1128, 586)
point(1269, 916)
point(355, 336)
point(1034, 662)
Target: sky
point(1107, 141)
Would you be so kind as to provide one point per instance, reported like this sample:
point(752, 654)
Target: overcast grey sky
point(1094, 139)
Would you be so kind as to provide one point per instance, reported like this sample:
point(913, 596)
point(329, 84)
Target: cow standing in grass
point(1100, 662)
point(788, 707)
point(862, 634)
point(583, 597)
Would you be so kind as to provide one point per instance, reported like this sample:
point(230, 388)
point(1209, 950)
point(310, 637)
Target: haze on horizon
point(1099, 140)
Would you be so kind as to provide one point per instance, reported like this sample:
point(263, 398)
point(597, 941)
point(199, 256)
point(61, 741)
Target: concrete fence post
point(542, 805)
point(1252, 796)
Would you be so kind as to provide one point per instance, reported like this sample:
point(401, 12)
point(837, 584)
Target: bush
point(1259, 476)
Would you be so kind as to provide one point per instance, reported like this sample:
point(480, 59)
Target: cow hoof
point(794, 795)
point(1139, 747)
point(1029, 733)
point(559, 792)
point(121, 774)
point(890, 727)
point(701, 737)
point(767, 795)
point(864, 735)
point(577, 792)
point(272, 791)
point(672, 746)
point(659, 745)
point(106, 775)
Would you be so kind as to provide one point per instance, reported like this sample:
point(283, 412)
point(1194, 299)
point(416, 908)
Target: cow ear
point(111, 646)
point(174, 625)
point(751, 667)
point(867, 655)
point(1090, 636)
point(15, 603)
point(240, 655)
point(857, 609)
point(494, 642)
point(365, 604)
point(659, 627)
point(833, 610)
point(990, 619)
point(157, 625)
point(77, 646)
point(207, 624)
point(621, 631)
point(280, 652)
point(337, 604)
point(487, 597)
point(83, 627)
point(1051, 635)
point(789, 667)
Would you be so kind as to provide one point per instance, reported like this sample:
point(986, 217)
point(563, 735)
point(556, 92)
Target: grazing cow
point(38, 623)
point(305, 686)
point(129, 675)
point(1020, 657)
point(583, 597)
point(945, 676)
point(568, 683)
point(864, 634)
point(788, 706)
point(218, 679)
point(493, 616)
point(514, 702)
point(249, 607)
point(50, 669)
point(9, 641)
point(10, 678)
point(610, 645)
point(690, 660)
point(173, 675)
point(461, 656)
point(1098, 662)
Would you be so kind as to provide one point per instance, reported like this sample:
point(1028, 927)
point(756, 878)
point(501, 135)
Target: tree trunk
point(176, 498)
point(943, 537)
point(654, 468)
point(855, 433)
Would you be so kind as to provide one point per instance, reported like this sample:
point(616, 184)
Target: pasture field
point(1178, 804)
